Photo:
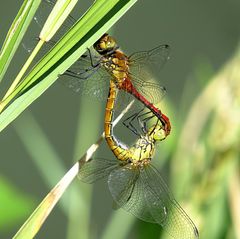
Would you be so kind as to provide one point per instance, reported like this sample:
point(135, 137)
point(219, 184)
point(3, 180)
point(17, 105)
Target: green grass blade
point(16, 33)
point(100, 17)
point(57, 16)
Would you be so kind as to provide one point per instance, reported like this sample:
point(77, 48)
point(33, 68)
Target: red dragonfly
point(91, 74)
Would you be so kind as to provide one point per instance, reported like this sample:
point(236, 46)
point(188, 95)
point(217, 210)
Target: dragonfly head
point(106, 44)
point(156, 132)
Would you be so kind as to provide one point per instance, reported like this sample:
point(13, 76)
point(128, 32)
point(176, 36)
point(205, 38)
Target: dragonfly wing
point(144, 66)
point(151, 90)
point(85, 79)
point(128, 193)
point(149, 62)
point(96, 169)
point(164, 208)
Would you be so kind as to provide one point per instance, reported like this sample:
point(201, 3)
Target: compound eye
point(111, 43)
point(159, 134)
point(102, 45)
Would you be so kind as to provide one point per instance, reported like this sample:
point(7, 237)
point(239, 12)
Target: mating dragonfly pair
point(135, 184)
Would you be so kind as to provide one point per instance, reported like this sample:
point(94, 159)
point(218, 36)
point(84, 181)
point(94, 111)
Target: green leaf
point(98, 19)
point(16, 33)
point(59, 13)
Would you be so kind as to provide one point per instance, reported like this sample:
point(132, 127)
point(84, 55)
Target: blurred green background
point(199, 160)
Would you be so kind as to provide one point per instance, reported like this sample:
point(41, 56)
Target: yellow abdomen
point(120, 152)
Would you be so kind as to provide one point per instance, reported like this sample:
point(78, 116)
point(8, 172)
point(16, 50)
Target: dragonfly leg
point(154, 127)
point(82, 75)
point(91, 59)
point(128, 122)
point(143, 121)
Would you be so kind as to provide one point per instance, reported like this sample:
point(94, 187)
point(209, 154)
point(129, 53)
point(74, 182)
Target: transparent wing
point(127, 192)
point(96, 169)
point(144, 66)
point(85, 79)
point(149, 62)
point(164, 208)
point(124, 99)
point(152, 91)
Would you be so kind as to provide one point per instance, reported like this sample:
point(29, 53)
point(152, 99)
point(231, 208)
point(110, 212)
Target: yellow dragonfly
point(135, 184)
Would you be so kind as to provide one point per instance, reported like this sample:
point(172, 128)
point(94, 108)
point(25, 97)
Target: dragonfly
point(134, 183)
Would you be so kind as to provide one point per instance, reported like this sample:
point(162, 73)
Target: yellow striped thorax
point(143, 150)
point(116, 65)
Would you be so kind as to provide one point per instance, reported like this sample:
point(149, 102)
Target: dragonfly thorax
point(117, 65)
point(143, 150)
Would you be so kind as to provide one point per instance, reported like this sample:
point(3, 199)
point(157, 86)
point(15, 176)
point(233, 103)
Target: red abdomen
point(128, 86)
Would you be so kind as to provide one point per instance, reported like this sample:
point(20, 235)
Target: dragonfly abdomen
point(120, 152)
point(163, 118)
